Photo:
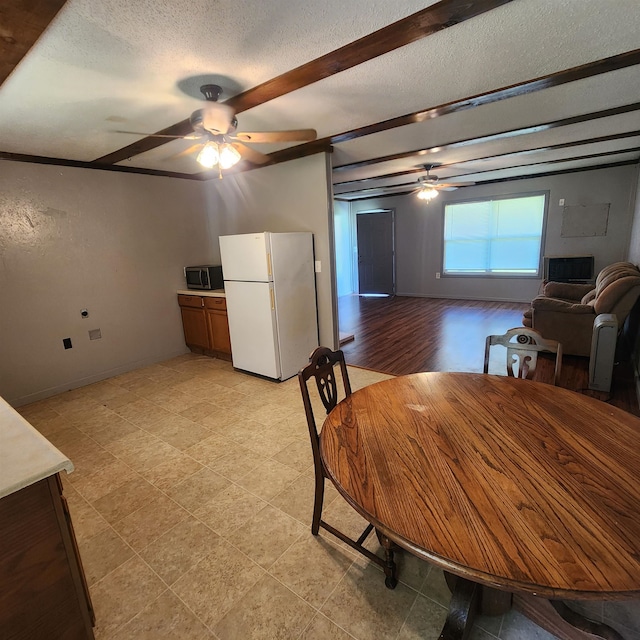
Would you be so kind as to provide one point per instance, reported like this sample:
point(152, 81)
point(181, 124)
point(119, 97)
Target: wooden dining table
point(525, 494)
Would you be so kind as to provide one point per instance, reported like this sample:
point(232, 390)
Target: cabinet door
point(194, 323)
point(42, 593)
point(219, 331)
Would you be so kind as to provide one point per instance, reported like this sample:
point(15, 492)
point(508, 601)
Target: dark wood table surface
point(516, 485)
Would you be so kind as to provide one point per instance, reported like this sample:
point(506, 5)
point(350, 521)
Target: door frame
point(354, 228)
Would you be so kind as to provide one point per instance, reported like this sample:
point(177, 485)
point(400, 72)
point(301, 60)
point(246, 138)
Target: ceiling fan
point(220, 143)
point(429, 185)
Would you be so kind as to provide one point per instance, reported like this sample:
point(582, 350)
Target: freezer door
point(246, 257)
point(252, 326)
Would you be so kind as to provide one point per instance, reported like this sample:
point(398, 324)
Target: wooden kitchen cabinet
point(205, 325)
point(194, 322)
point(218, 324)
point(43, 592)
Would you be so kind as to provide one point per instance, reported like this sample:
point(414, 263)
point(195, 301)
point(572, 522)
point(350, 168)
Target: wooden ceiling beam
point(426, 22)
point(501, 135)
point(22, 22)
point(81, 164)
point(597, 67)
point(448, 179)
point(545, 174)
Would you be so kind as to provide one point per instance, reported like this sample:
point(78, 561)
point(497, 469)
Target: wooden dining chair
point(523, 345)
point(321, 368)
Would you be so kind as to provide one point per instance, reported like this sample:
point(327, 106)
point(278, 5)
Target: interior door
point(375, 252)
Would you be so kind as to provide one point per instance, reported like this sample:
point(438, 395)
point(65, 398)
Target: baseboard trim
point(96, 377)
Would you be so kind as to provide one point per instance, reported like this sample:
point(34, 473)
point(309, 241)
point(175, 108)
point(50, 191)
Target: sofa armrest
point(567, 290)
point(542, 303)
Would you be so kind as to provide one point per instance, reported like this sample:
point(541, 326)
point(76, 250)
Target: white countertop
point(216, 293)
point(26, 456)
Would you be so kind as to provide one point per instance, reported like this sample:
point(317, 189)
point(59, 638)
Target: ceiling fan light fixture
point(209, 155)
point(229, 156)
point(427, 193)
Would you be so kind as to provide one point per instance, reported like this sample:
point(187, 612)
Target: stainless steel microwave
point(204, 277)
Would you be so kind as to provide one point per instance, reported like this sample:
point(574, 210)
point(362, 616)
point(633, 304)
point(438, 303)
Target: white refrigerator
point(269, 283)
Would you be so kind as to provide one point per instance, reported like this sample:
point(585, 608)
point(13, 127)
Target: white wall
point(112, 243)
point(633, 254)
point(344, 248)
point(419, 229)
point(291, 196)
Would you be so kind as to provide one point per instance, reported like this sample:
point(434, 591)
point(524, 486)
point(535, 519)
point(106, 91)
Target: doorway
point(376, 256)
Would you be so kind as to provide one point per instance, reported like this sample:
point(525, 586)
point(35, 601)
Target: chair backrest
point(321, 367)
point(523, 345)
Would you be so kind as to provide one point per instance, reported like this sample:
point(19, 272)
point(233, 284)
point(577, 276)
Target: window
point(497, 237)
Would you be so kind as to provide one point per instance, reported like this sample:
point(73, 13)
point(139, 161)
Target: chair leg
point(317, 504)
point(390, 570)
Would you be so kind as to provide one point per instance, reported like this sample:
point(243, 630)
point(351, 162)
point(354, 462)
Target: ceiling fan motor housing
point(207, 120)
point(211, 92)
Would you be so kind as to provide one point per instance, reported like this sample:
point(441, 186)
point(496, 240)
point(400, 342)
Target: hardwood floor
point(401, 335)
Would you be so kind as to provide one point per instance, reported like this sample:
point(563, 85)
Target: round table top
point(515, 484)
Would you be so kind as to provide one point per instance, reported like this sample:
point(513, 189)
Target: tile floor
point(191, 501)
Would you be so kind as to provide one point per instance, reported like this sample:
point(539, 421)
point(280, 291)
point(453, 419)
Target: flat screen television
point(569, 268)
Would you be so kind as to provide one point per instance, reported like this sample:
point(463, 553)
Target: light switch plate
point(318, 266)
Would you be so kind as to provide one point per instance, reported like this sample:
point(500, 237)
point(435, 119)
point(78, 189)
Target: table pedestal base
point(470, 598)
point(563, 622)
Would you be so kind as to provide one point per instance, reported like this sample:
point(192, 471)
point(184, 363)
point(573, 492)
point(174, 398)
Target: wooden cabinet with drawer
point(205, 324)
point(218, 324)
point(194, 322)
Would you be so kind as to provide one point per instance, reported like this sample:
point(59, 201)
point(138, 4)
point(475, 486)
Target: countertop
point(26, 456)
point(216, 293)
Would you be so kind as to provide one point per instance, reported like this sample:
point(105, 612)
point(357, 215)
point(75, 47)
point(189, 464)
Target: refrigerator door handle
point(273, 302)
point(269, 271)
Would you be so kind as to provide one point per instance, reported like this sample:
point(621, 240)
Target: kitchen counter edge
point(26, 456)
point(216, 293)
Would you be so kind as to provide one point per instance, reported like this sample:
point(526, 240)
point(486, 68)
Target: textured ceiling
point(109, 65)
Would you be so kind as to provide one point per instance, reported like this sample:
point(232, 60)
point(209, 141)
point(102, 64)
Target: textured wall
point(292, 196)
point(110, 242)
point(419, 229)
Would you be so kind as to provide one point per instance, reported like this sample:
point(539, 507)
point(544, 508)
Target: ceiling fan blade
point(217, 117)
point(191, 136)
point(185, 152)
point(293, 135)
point(250, 154)
point(446, 186)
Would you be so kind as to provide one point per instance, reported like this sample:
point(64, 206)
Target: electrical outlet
point(318, 266)
point(561, 202)
point(437, 275)
point(67, 343)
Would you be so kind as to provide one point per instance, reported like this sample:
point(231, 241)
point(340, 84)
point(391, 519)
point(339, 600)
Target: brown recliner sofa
point(565, 312)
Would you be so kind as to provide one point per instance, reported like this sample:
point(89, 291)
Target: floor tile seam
point(139, 475)
point(298, 537)
point(319, 607)
point(115, 631)
point(416, 595)
point(91, 502)
point(135, 553)
point(411, 608)
point(196, 616)
point(326, 617)
point(376, 566)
